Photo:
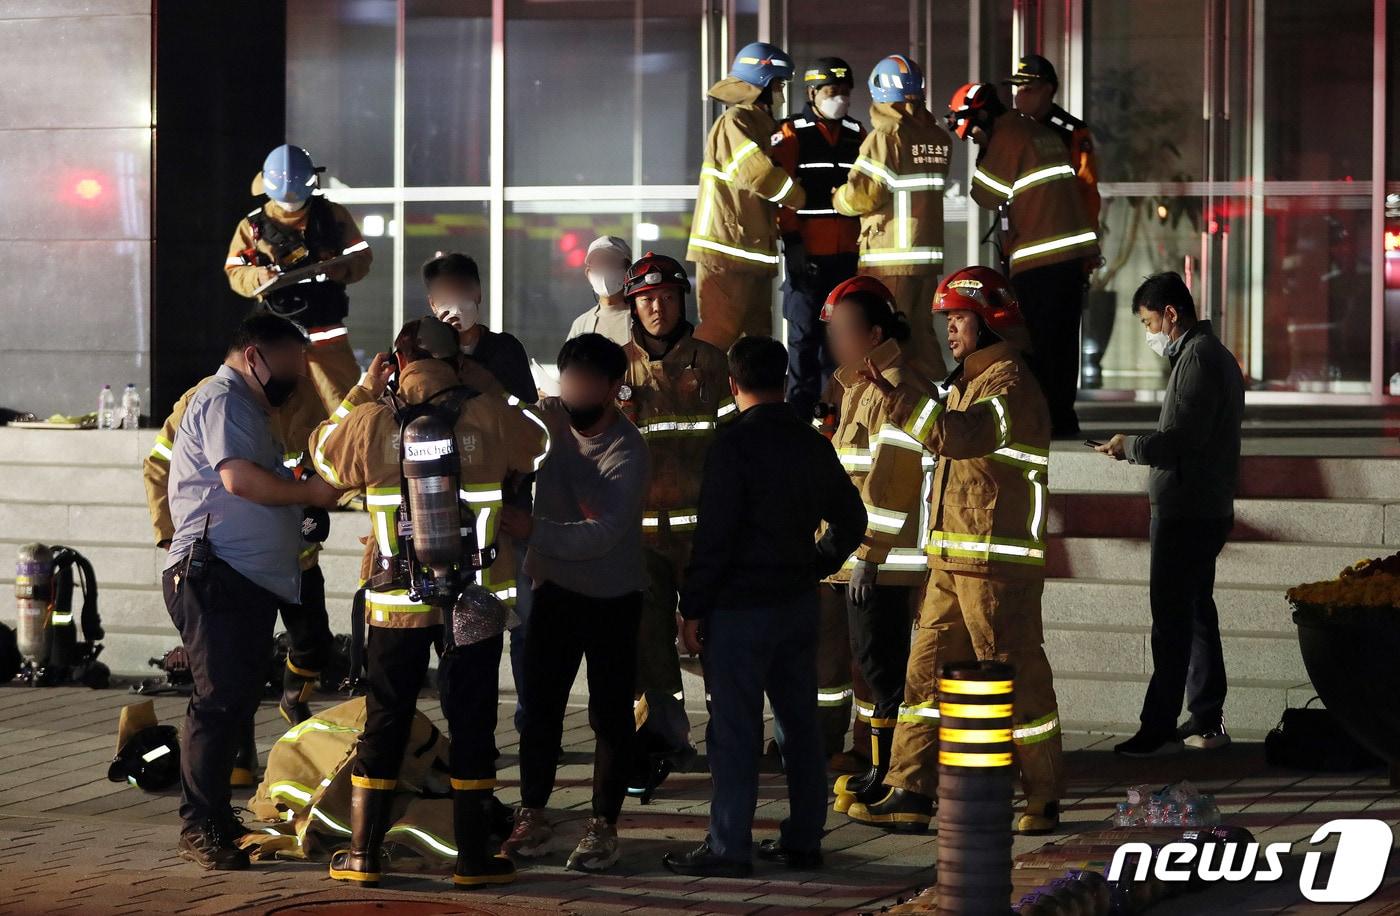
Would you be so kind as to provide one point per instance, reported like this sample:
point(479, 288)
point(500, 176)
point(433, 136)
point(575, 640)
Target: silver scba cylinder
point(33, 594)
point(431, 471)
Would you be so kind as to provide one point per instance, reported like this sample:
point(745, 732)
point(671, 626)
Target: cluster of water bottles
point(1178, 805)
point(108, 416)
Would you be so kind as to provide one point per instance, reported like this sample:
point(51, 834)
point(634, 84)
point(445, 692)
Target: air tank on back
point(431, 471)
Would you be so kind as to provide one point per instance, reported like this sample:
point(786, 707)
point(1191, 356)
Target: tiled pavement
point(71, 842)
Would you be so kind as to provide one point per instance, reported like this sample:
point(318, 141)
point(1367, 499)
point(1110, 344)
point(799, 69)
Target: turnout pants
point(333, 370)
point(913, 296)
point(225, 622)
point(1052, 299)
point(658, 662)
point(964, 617)
point(750, 651)
point(566, 627)
point(835, 690)
point(1186, 652)
point(398, 662)
point(809, 362)
point(733, 302)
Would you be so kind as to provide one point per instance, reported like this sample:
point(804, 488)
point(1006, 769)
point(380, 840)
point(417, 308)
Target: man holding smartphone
point(237, 514)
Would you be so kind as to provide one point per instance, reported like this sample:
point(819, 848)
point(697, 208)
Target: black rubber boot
point(245, 761)
point(298, 684)
point(478, 863)
point(899, 811)
point(868, 786)
point(369, 818)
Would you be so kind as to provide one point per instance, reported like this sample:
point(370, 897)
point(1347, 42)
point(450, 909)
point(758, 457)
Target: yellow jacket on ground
point(677, 402)
point(290, 426)
point(359, 447)
point(992, 437)
point(896, 188)
point(1025, 166)
point(736, 208)
point(889, 467)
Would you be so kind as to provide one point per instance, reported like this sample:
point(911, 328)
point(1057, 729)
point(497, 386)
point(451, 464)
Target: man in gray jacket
point(1195, 460)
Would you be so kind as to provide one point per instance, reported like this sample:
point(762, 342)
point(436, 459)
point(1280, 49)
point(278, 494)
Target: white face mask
point(461, 315)
point(606, 281)
point(292, 206)
point(834, 107)
point(1158, 341)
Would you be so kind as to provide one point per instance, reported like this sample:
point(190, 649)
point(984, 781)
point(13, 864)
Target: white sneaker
point(1208, 740)
point(597, 850)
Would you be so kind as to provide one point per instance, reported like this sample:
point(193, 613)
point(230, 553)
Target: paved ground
point(72, 842)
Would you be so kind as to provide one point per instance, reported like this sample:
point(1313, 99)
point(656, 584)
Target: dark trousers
point(1186, 653)
point(880, 629)
point(398, 662)
point(566, 627)
point(308, 623)
point(225, 623)
point(1052, 299)
point(809, 362)
point(750, 651)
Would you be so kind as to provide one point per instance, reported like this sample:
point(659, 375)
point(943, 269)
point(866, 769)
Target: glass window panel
point(861, 35)
point(591, 69)
point(545, 245)
point(340, 88)
point(371, 319)
point(438, 228)
point(447, 92)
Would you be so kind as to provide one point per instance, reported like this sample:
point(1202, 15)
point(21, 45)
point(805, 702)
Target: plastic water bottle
point(106, 408)
point(131, 408)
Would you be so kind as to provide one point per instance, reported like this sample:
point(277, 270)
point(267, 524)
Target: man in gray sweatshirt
point(585, 561)
point(1195, 460)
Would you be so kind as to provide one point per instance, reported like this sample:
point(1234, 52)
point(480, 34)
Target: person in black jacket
point(453, 283)
point(750, 607)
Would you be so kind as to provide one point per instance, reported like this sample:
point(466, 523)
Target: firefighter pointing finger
point(986, 549)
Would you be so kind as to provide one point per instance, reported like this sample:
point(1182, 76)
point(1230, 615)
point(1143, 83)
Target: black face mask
point(581, 418)
point(277, 389)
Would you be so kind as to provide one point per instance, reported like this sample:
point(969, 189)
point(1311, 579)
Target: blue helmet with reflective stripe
point(288, 175)
point(897, 79)
point(761, 63)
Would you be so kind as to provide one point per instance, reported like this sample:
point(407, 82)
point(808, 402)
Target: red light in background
point(575, 257)
point(87, 188)
point(1392, 240)
point(568, 241)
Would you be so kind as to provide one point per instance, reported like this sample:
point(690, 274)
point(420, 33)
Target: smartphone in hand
point(1092, 443)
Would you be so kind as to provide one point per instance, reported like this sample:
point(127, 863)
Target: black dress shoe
point(701, 862)
point(797, 860)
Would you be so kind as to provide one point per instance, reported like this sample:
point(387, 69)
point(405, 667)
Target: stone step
point(1112, 702)
point(1326, 521)
point(1098, 651)
point(1074, 467)
point(83, 447)
point(1109, 603)
point(1248, 563)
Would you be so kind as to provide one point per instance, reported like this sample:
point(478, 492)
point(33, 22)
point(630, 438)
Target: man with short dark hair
point(1195, 460)
point(237, 515)
point(585, 560)
point(750, 606)
point(495, 361)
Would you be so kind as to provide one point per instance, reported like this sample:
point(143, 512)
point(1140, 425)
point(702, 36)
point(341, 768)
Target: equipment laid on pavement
point(46, 636)
point(148, 754)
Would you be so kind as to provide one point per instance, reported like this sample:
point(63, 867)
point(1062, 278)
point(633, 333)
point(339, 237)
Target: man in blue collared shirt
point(226, 477)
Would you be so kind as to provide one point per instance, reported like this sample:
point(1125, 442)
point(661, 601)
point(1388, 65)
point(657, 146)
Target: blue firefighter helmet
point(760, 63)
point(897, 79)
point(288, 175)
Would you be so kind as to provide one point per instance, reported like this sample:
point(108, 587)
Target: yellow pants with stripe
point(913, 296)
point(966, 617)
point(333, 370)
point(732, 303)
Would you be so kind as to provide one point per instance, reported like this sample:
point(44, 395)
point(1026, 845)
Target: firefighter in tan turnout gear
point(896, 188)
point(881, 580)
point(734, 236)
point(986, 550)
point(367, 443)
point(676, 391)
point(295, 229)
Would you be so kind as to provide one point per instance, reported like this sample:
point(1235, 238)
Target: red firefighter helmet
point(971, 106)
point(861, 284)
point(985, 293)
point(653, 271)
